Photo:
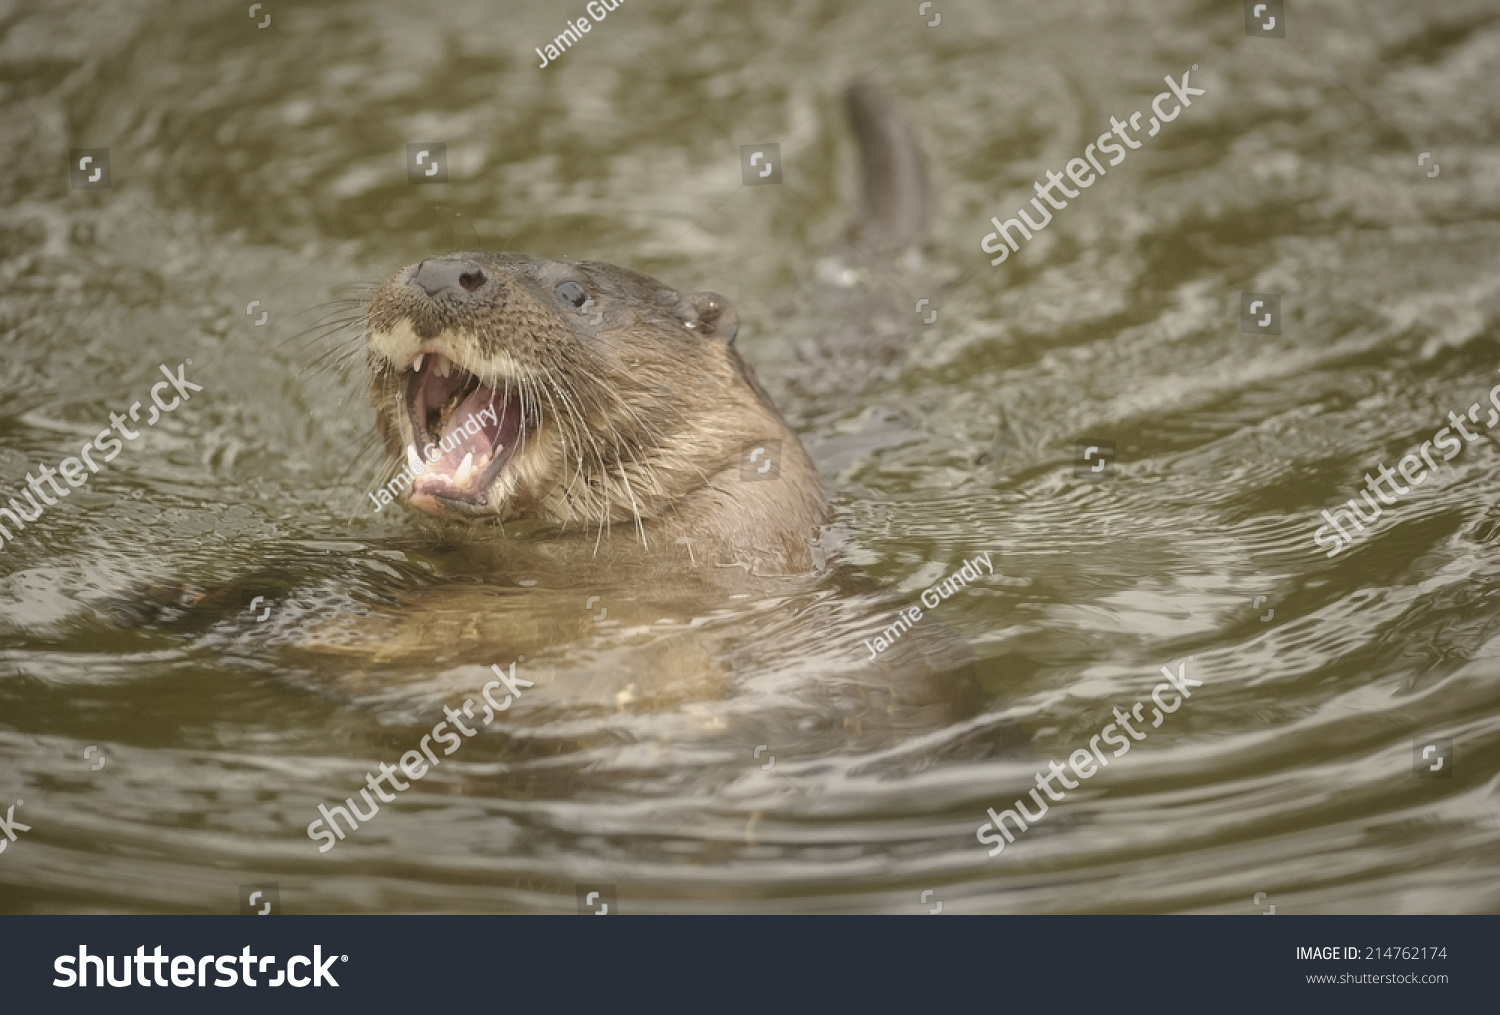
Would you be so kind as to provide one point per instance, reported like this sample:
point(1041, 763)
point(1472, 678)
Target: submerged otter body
point(586, 397)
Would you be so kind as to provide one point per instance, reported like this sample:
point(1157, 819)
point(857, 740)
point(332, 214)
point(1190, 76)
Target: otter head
point(513, 387)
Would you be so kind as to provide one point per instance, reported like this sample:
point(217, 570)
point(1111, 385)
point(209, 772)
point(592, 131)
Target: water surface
point(267, 165)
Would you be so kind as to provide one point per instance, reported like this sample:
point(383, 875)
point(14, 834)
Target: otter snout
point(438, 276)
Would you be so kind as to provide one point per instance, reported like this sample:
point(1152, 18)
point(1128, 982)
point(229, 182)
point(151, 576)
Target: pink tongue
point(475, 426)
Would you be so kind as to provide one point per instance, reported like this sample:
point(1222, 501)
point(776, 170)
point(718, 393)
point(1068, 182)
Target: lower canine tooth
point(465, 470)
point(411, 458)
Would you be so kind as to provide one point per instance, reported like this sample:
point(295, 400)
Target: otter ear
point(709, 314)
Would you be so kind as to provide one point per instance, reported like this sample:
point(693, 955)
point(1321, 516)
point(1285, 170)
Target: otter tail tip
point(894, 209)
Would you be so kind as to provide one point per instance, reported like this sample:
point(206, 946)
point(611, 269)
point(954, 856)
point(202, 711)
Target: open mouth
point(465, 432)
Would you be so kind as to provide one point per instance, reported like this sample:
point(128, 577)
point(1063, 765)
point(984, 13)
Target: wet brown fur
point(637, 422)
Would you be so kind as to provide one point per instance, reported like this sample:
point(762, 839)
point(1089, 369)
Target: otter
point(582, 395)
point(606, 426)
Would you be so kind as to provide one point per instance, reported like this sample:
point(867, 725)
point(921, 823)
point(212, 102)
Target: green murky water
point(267, 164)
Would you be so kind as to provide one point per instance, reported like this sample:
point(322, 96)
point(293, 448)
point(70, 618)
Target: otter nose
point(441, 274)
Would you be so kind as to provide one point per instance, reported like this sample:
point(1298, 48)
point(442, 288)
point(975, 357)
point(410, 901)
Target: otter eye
point(573, 293)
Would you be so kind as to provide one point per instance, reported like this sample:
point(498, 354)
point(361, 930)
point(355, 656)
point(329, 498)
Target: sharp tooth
point(442, 367)
point(412, 459)
point(416, 364)
point(465, 470)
